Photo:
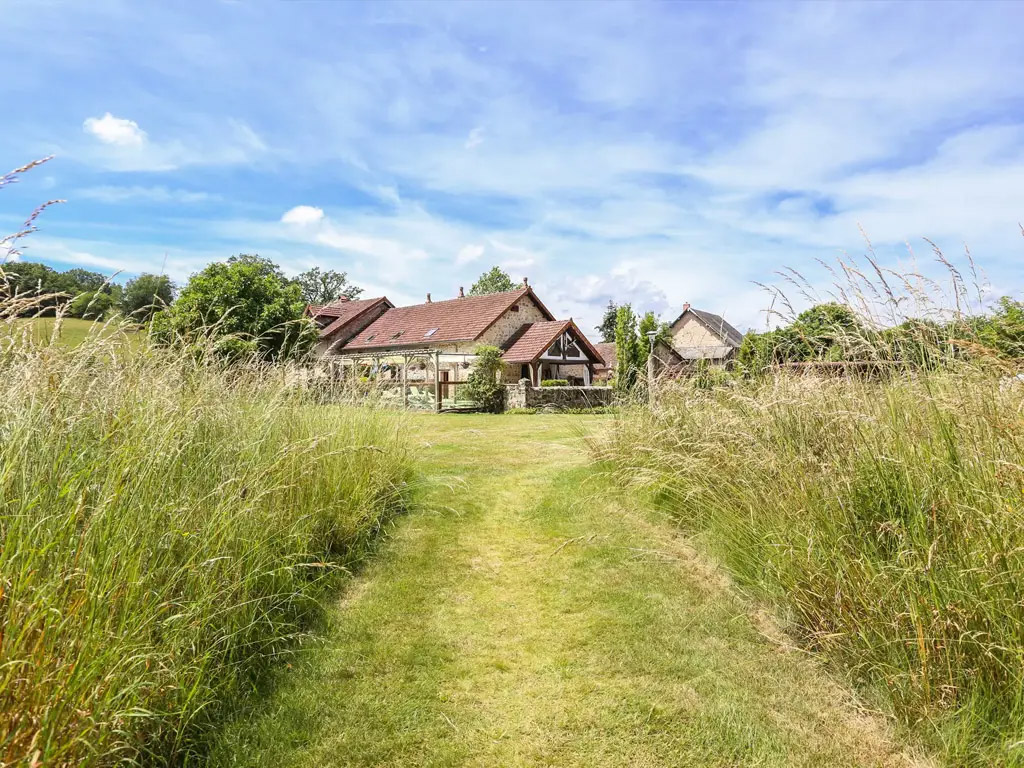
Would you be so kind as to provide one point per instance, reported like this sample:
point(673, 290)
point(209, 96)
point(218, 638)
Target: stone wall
point(511, 321)
point(522, 395)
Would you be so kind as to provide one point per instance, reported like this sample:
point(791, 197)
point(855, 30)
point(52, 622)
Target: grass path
point(528, 617)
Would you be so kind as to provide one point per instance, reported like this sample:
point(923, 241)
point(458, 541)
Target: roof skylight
point(429, 333)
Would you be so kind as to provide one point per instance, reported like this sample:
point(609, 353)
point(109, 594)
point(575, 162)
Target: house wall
point(510, 322)
point(690, 332)
point(511, 373)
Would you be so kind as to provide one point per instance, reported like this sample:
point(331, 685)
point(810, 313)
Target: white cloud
point(515, 257)
point(123, 146)
point(475, 138)
point(115, 130)
point(469, 253)
point(303, 215)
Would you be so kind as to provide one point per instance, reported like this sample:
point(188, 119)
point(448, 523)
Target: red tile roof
point(531, 341)
point(607, 351)
point(461, 319)
point(343, 313)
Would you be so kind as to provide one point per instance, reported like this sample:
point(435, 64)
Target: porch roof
point(532, 340)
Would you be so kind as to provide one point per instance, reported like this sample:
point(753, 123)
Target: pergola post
point(405, 381)
point(437, 381)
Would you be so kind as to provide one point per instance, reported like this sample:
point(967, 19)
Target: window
point(370, 337)
point(514, 308)
point(396, 335)
point(430, 333)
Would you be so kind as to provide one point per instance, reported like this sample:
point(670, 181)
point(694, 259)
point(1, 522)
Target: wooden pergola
point(433, 358)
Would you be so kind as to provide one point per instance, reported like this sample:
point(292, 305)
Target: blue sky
point(647, 152)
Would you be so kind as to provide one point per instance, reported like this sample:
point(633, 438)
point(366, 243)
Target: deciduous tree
point(146, 295)
point(245, 305)
point(322, 286)
point(495, 280)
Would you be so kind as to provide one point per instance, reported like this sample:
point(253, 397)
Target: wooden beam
point(405, 381)
point(437, 381)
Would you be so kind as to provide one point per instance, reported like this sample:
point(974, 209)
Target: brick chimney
point(526, 282)
point(428, 298)
point(462, 294)
point(686, 307)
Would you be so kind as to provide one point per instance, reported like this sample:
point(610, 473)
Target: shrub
point(555, 383)
point(482, 385)
point(169, 528)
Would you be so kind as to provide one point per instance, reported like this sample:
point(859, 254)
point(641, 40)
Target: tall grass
point(883, 517)
point(168, 527)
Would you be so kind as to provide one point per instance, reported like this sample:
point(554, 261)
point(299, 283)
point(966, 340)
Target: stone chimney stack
point(686, 307)
point(428, 298)
point(462, 294)
point(526, 282)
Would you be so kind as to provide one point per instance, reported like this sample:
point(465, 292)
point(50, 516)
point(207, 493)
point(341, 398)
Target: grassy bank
point(884, 519)
point(72, 331)
point(168, 529)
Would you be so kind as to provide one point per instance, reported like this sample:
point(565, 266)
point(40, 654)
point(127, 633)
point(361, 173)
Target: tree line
point(834, 333)
point(244, 307)
point(82, 293)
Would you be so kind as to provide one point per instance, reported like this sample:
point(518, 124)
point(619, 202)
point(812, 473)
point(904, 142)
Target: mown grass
point(524, 616)
point(168, 531)
point(885, 519)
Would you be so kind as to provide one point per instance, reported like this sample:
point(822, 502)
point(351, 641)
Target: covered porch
point(549, 351)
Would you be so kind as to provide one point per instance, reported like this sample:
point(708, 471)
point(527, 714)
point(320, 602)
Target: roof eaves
point(586, 341)
point(334, 326)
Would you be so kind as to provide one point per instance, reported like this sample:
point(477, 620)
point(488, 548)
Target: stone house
point(694, 335)
point(700, 335)
point(436, 341)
